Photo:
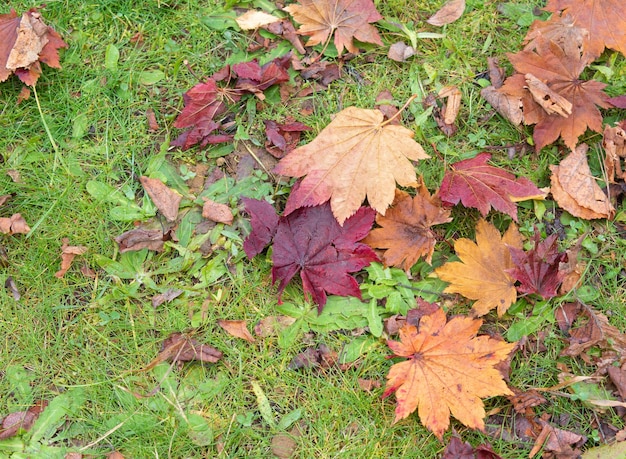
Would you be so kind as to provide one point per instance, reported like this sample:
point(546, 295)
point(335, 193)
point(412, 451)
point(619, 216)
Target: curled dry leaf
point(21, 420)
point(551, 101)
point(562, 30)
point(614, 143)
point(452, 94)
point(253, 19)
point(574, 188)
point(179, 347)
point(483, 272)
point(217, 212)
point(400, 52)
point(166, 296)
point(141, 238)
point(448, 370)
point(272, 325)
point(449, 12)
point(236, 328)
point(15, 224)
point(68, 252)
point(164, 198)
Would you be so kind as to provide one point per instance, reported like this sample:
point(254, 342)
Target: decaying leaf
point(272, 325)
point(253, 19)
point(345, 19)
point(18, 421)
point(562, 30)
point(452, 94)
point(311, 242)
point(405, 232)
point(457, 449)
point(400, 51)
point(482, 274)
point(68, 252)
point(574, 188)
point(314, 357)
point(476, 184)
point(141, 238)
point(449, 12)
point(15, 224)
point(448, 370)
point(166, 199)
point(217, 212)
point(551, 101)
point(614, 143)
point(537, 269)
point(236, 328)
point(179, 347)
point(25, 42)
point(556, 440)
point(357, 155)
point(283, 137)
point(166, 297)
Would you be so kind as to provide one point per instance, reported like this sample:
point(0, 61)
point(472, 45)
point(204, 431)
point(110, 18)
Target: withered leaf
point(614, 143)
point(448, 13)
point(562, 30)
point(164, 198)
point(236, 328)
point(15, 224)
point(556, 440)
point(283, 137)
point(253, 19)
point(448, 370)
point(405, 232)
point(141, 238)
point(21, 420)
point(357, 155)
point(551, 101)
point(400, 51)
point(272, 325)
point(166, 296)
point(314, 357)
point(179, 347)
point(574, 188)
point(482, 274)
point(217, 212)
point(346, 19)
point(68, 252)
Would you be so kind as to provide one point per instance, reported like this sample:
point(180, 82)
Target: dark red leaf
point(264, 222)
point(619, 101)
point(282, 138)
point(476, 184)
point(457, 449)
point(21, 420)
point(538, 269)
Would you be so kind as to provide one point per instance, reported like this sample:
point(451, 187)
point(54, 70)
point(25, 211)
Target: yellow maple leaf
point(481, 274)
point(357, 155)
point(449, 369)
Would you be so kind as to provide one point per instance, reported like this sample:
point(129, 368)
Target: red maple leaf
point(206, 104)
point(310, 241)
point(476, 184)
point(283, 137)
point(538, 269)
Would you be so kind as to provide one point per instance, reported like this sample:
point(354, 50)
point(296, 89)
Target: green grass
point(95, 335)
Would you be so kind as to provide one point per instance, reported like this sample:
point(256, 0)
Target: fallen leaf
point(283, 137)
point(614, 144)
point(23, 95)
point(253, 19)
point(611, 451)
point(404, 232)
point(164, 198)
point(115, 455)
point(400, 51)
point(345, 19)
point(572, 269)
point(602, 18)
point(141, 238)
point(179, 347)
point(521, 401)
point(449, 12)
point(15, 224)
point(9, 284)
point(551, 101)
point(563, 31)
point(217, 212)
point(509, 106)
point(457, 449)
point(482, 274)
point(166, 296)
point(153, 126)
point(357, 155)
point(476, 184)
point(272, 325)
point(68, 252)
point(314, 357)
point(18, 421)
point(368, 385)
point(283, 445)
point(618, 378)
point(236, 328)
point(449, 369)
point(452, 94)
point(556, 440)
point(574, 188)
point(310, 241)
point(537, 269)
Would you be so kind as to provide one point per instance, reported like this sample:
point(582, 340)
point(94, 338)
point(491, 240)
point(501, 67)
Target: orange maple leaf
point(356, 155)
point(405, 229)
point(604, 19)
point(449, 369)
point(347, 19)
point(559, 71)
point(482, 272)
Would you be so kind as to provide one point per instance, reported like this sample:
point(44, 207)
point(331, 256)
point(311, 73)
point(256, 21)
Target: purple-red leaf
point(476, 184)
point(538, 269)
point(310, 241)
point(264, 222)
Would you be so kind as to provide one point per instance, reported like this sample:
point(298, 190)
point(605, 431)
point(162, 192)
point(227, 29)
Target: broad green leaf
point(111, 57)
point(287, 420)
point(356, 348)
point(263, 404)
point(150, 77)
point(374, 321)
point(61, 406)
point(200, 431)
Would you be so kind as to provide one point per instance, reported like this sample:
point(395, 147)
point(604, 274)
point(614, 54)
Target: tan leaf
point(236, 328)
point(253, 19)
point(283, 445)
point(449, 12)
point(141, 238)
point(575, 189)
point(15, 224)
point(31, 39)
point(453, 103)
point(164, 198)
point(217, 212)
point(179, 347)
point(405, 232)
point(272, 325)
point(550, 101)
point(563, 31)
point(115, 455)
point(448, 370)
point(482, 272)
point(400, 52)
point(509, 106)
point(614, 143)
point(357, 155)
point(68, 252)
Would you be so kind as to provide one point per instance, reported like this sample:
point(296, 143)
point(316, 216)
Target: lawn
point(91, 342)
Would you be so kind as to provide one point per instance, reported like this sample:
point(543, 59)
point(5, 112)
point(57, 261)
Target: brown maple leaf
point(346, 19)
point(560, 72)
point(482, 272)
point(405, 232)
point(357, 155)
point(449, 369)
point(604, 19)
point(562, 30)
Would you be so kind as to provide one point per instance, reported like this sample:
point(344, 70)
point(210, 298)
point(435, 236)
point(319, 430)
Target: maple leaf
point(346, 19)
point(476, 184)
point(311, 242)
point(449, 369)
point(538, 269)
point(559, 71)
point(25, 42)
point(405, 232)
point(283, 137)
point(482, 274)
point(604, 19)
point(356, 155)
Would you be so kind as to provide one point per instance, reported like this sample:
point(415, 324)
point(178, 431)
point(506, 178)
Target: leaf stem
point(406, 104)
